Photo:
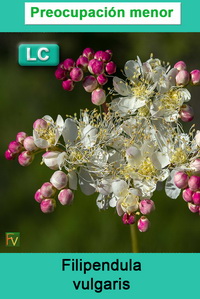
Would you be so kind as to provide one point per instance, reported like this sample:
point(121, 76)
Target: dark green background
point(28, 93)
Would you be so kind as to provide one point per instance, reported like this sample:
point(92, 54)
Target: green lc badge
point(38, 54)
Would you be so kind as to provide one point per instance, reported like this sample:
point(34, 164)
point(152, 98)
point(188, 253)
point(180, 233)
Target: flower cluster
point(127, 152)
point(97, 64)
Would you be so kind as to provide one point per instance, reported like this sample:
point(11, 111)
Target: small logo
point(12, 239)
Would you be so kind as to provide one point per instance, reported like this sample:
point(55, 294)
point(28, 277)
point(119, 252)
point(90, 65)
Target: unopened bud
point(180, 65)
point(197, 138)
point(186, 113)
point(196, 198)
point(68, 64)
point(182, 78)
point(9, 156)
point(101, 55)
point(128, 218)
point(187, 195)
point(82, 62)
point(60, 74)
point(181, 179)
point(111, 68)
point(194, 183)
point(20, 137)
point(38, 196)
point(15, 147)
point(65, 197)
point(195, 77)
point(146, 206)
point(68, 85)
point(25, 158)
point(59, 180)
point(193, 208)
point(48, 205)
point(98, 96)
point(89, 53)
point(143, 224)
point(76, 74)
point(110, 53)
point(40, 124)
point(90, 83)
point(96, 67)
point(47, 190)
point(29, 144)
point(102, 79)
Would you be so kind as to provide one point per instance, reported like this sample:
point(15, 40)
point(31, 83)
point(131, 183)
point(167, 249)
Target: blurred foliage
point(28, 93)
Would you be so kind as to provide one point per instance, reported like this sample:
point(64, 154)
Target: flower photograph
point(101, 153)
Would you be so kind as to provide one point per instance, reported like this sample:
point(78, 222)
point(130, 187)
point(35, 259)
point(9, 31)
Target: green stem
point(134, 239)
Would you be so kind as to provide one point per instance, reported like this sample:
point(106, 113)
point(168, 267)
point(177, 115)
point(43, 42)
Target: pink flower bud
point(40, 124)
point(181, 179)
point(101, 55)
point(195, 164)
point(47, 190)
point(197, 138)
point(59, 179)
point(111, 68)
point(60, 66)
point(9, 155)
point(15, 147)
point(89, 53)
point(82, 62)
point(98, 96)
point(180, 65)
point(194, 183)
point(128, 219)
point(76, 74)
point(143, 224)
point(187, 195)
point(90, 83)
point(29, 144)
point(60, 74)
point(38, 196)
point(68, 85)
point(110, 53)
point(65, 197)
point(182, 78)
point(96, 67)
point(195, 77)
point(196, 198)
point(102, 79)
point(48, 205)
point(193, 208)
point(146, 206)
point(68, 64)
point(186, 113)
point(20, 137)
point(25, 158)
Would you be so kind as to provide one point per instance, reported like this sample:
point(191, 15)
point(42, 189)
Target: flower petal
point(70, 131)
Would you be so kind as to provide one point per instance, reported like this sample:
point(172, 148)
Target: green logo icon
point(12, 239)
point(38, 54)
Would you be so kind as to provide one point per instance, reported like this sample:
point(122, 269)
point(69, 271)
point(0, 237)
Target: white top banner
point(102, 13)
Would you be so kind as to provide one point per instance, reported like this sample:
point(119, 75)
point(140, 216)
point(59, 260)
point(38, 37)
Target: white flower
point(54, 160)
point(128, 198)
point(48, 137)
point(168, 104)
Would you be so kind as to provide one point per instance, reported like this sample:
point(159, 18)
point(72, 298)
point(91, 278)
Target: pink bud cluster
point(183, 77)
point(23, 148)
point(146, 206)
point(92, 68)
point(46, 195)
point(191, 189)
